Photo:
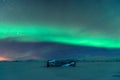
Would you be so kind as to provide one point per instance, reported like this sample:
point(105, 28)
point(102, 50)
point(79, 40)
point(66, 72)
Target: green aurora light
point(51, 33)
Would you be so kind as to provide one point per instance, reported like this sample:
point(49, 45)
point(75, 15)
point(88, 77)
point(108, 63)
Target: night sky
point(44, 29)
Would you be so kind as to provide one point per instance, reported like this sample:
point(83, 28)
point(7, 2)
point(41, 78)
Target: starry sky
point(43, 29)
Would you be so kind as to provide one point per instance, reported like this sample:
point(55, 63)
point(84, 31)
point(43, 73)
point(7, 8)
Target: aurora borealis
point(88, 23)
point(49, 33)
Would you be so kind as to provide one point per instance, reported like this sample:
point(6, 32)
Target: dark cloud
point(48, 50)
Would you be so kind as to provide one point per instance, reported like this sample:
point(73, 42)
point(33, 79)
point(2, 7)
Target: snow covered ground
point(36, 70)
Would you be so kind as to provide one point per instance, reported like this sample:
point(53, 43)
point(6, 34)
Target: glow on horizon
point(4, 59)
